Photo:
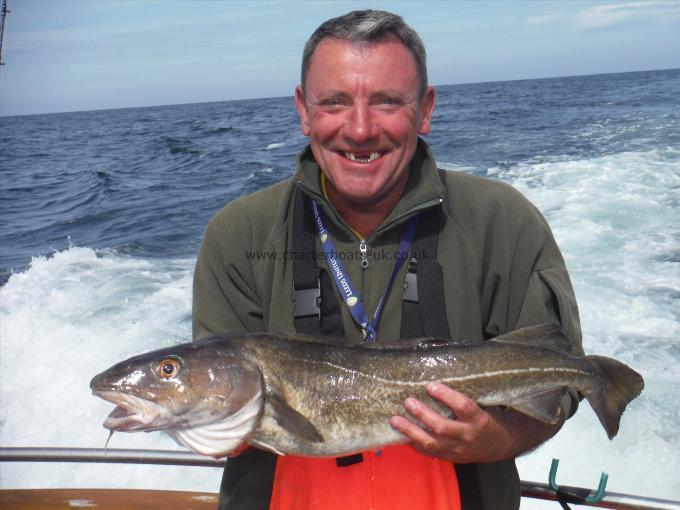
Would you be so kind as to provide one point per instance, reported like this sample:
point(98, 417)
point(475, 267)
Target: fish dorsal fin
point(548, 336)
point(401, 344)
point(293, 421)
point(412, 344)
point(314, 339)
point(544, 406)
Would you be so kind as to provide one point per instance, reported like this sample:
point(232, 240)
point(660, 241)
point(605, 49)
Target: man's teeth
point(362, 157)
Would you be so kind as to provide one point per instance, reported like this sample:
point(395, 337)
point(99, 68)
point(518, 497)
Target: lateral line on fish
point(464, 378)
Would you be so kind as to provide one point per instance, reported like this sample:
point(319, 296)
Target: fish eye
point(168, 368)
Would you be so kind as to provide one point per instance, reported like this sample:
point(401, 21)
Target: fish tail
point(618, 384)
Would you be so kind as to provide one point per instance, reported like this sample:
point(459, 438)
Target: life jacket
point(396, 477)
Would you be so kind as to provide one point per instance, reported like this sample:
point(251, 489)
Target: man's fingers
point(418, 437)
point(434, 433)
point(463, 407)
point(431, 419)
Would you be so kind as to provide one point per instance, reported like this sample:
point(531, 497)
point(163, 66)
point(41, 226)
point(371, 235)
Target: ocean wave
point(64, 319)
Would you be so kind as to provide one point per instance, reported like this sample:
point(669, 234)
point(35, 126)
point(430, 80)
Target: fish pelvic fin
point(619, 385)
point(293, 421)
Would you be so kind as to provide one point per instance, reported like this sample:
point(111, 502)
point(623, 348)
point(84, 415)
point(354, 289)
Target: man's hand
point(472, 434)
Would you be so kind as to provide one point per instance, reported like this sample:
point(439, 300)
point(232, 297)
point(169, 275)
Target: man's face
point(363, 115)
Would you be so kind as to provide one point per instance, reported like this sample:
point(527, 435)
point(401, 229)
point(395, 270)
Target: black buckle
point(349, 460)
point(307, 302)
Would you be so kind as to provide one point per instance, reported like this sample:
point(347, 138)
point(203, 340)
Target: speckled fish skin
point(312, 398)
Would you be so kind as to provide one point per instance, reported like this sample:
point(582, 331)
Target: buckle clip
point(307, 302)
point(411, 282)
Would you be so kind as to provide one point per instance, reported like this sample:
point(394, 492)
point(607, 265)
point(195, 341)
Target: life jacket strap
point(423, 314)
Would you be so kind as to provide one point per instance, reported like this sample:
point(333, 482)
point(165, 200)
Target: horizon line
point(284, 96)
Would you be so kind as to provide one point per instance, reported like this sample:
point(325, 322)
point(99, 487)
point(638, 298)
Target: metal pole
point(179, 458)
point(3, 15)
point(107, 455)
point(611, 499)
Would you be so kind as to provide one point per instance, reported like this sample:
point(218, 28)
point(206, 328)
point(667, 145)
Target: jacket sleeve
point(524, 277)
point(224, 291)
point(549, 297)
point(542, 284)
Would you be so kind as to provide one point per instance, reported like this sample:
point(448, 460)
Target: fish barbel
point(306, 396)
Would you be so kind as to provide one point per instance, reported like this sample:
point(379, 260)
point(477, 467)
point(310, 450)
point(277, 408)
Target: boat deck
point(105, 499)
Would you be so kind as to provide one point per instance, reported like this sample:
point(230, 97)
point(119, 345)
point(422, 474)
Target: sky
point(70, 55)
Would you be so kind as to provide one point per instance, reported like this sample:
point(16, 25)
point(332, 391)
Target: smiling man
point(406, 251)
point(363, 107)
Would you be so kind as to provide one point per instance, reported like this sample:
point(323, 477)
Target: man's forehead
point(361, 48)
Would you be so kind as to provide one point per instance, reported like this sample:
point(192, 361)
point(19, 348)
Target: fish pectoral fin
point(548, 336)
point(293, 421)
point(544, 406)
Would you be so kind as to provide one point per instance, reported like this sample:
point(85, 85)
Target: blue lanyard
point(343, 283)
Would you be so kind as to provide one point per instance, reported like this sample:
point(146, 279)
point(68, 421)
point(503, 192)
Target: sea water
point(102, 213)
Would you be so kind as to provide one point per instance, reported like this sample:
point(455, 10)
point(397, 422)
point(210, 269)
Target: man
point(483, 262)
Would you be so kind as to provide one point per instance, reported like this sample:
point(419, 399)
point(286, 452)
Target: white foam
point(444, 165)
point(272, 146)
point(62, 321)
point(616, 219)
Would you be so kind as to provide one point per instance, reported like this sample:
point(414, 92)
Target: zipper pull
point(363, 249)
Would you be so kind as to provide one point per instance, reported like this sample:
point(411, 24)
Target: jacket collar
point(424, 188)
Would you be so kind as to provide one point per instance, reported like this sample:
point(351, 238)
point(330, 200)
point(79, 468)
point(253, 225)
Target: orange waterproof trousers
point(395, 478)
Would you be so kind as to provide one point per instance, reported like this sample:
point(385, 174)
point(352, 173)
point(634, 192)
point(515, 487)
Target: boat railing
point(565, 496)
point(107, 455)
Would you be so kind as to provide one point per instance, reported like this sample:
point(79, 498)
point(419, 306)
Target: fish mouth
point(131, 413)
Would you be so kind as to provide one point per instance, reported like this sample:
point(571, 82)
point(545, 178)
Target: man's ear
point(302, 110)
point(425, 109)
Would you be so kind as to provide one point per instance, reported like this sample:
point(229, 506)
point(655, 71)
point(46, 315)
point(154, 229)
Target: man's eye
point(388, 101)
point(335, 101)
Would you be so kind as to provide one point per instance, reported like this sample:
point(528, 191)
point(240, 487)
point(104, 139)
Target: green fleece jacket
point(502, 269)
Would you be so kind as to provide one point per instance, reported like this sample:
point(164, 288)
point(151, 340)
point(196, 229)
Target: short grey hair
point(369, 27)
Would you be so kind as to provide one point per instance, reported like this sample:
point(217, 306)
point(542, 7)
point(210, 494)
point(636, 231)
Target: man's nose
point(360, 126)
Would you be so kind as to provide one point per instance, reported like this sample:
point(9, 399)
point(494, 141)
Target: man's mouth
point(362, 157)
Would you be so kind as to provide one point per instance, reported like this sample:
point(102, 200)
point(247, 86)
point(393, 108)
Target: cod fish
point(306, 396)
